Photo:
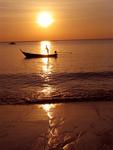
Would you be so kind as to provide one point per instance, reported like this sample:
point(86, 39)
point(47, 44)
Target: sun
point(44, 19)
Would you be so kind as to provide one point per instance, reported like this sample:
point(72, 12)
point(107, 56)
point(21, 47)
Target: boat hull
point(31, 55)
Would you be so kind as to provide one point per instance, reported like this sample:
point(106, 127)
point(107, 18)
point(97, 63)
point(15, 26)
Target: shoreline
point(59, 101)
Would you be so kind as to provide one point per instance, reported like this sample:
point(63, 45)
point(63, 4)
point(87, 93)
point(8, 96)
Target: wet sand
point(71, 126)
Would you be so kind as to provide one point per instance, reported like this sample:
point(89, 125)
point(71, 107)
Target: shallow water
point(82, 71)
point(81, 126)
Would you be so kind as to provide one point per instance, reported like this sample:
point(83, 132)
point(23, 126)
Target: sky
point(73, 19)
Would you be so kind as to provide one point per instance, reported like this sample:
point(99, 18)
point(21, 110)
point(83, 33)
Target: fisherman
point(47, 50)
point(55, 52)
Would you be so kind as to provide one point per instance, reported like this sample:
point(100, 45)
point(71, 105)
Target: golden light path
point(47, 108)
point(47, 67)
point(44, 19)
point(53, 130)
point(43, 45)
point(56, 123)
point(47, 90)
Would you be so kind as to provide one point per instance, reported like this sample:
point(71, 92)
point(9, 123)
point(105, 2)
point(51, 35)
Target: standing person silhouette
point(47, 50)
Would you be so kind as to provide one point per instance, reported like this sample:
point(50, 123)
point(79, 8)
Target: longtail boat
point(33, 55)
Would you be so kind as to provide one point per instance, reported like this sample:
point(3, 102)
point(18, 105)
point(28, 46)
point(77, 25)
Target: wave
point(55, 87)
point(84, 97)
point(84, 75)
point(39, 80)
point(38, 77)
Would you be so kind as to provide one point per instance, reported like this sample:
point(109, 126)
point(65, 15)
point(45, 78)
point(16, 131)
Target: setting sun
point(44, 19)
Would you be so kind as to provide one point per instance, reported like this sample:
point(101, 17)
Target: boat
point(12, 43)
point(33, 55)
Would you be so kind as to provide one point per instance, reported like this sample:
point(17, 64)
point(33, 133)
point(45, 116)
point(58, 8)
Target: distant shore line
point(56, 40)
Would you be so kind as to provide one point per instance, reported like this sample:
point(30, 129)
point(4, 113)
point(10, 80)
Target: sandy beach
point(81, 126)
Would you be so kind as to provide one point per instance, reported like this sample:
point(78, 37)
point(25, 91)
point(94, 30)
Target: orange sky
point(74, 19)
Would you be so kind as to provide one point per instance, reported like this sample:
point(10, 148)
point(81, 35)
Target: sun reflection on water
point(46, 91)
point(46, 67)
point(45, 61)
point(48, 108)
point(43, 45)
point(55, 131)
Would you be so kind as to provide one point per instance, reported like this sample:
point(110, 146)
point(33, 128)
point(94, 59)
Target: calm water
point(82, 71)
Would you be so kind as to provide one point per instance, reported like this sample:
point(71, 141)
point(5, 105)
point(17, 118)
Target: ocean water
point(83, 71)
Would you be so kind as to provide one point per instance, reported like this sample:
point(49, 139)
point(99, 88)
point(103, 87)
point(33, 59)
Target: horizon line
point(8, 41)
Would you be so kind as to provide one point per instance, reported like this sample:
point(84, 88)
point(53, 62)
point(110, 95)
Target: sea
point(83, 71)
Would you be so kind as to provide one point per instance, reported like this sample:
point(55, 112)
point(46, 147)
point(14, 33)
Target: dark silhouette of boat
point(33, 55)
point(12, 43)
